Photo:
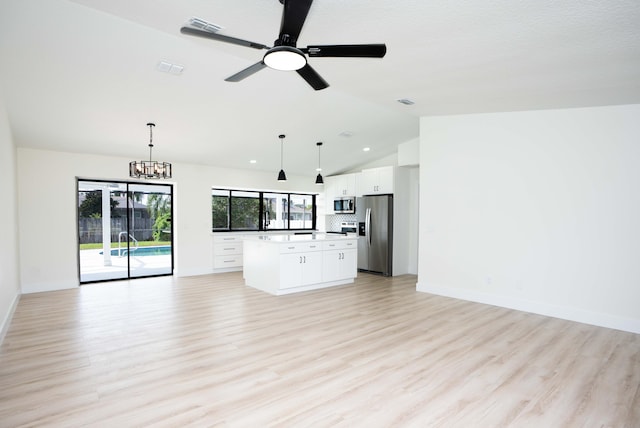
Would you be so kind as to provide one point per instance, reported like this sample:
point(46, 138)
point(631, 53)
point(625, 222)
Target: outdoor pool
point(161, 250)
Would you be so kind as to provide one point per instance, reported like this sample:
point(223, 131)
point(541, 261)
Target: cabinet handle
point(305, 258)
point(300, 259)
point(291, 248)
point(227, 249)
point(229, 261)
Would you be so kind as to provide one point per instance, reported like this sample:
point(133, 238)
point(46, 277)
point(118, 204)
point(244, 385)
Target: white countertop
point(300, 238)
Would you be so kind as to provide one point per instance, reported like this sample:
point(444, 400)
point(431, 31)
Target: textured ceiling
point(80, 75)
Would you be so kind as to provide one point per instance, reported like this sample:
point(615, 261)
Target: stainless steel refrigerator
point(375, 234)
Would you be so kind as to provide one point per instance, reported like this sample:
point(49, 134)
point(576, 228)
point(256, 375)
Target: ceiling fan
point(284, 55)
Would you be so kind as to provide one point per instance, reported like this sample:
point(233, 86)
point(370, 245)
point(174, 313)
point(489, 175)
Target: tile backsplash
point(332, 222)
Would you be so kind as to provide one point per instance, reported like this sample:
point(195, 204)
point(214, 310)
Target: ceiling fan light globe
point(285, 58)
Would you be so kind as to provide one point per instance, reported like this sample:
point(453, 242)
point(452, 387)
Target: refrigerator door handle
point(367, 226)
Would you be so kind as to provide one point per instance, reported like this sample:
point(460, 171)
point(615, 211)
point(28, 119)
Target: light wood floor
point(208, 351)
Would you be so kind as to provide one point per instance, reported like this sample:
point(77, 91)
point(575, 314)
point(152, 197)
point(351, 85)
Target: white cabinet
point(340, 260)
point(300, 264)
point(340, 185)
point(376, 181)
point(227, 252)
point(286, 267)
point(299, 269)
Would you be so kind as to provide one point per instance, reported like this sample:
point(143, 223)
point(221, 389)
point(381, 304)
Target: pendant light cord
point(281, 136)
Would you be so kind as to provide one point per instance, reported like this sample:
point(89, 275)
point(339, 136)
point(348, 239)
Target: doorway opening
point(125, 230)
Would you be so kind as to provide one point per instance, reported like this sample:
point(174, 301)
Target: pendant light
point(281, 175)
point(319, 180)
point(150, 168)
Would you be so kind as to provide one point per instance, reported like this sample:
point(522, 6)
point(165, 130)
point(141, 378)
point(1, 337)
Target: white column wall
point(9, 273)
point(47, 206)
point(535, 210)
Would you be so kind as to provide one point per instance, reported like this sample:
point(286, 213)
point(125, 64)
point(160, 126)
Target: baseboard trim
point(192, 272)
point(541, 308)
point(4, 327)
point(49, 286)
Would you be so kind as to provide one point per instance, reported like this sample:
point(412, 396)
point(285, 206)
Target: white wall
point(9, 277)
point(47, 207)
point(414, 220)
point(405, 222)
point(537, 210)
point(390, 160)
point(409, 153)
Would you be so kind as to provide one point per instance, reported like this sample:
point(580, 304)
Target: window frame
point(261, 210)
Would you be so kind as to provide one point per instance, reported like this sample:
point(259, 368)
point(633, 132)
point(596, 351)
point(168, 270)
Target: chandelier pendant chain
point(150, 125)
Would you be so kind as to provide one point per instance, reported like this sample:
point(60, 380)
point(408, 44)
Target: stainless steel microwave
point(345, 205)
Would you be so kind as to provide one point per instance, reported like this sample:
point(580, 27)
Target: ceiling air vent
point(406, 101)
point(168, 67)
point(204, 25)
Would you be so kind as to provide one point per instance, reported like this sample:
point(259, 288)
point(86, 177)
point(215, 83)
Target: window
point(276, 211)
point(255, 210)
point(301, 211)
point(220, 209)
point(245, 211)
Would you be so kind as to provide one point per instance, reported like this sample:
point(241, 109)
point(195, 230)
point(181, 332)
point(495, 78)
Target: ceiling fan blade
point(293, 16)
point(312, 77)
point(365, 51)
point(219, 37)
point(246, 72)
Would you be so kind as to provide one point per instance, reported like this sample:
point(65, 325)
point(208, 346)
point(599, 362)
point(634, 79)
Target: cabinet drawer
point(339, 245)
point(227, 238)
point(233, 247)
point(220, 262)
point(300, 247)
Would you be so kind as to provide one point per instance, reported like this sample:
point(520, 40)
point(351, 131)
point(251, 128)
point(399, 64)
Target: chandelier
point(150, 168)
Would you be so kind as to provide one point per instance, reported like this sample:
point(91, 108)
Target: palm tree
point(159, 206)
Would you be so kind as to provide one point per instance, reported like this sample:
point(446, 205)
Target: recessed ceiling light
point(346, 134)
point(253, 161)
point(406, 101)
point(366, 149)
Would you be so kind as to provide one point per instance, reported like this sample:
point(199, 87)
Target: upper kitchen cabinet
point(340, 185)
point(377, 181)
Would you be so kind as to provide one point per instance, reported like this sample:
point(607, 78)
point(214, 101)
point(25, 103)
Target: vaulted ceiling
point(82, 76)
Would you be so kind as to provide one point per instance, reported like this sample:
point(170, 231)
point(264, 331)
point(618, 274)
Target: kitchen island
point(283, 264)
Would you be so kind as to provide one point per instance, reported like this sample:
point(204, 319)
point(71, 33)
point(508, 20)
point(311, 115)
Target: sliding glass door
point(124, 230)
point(150, 222)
